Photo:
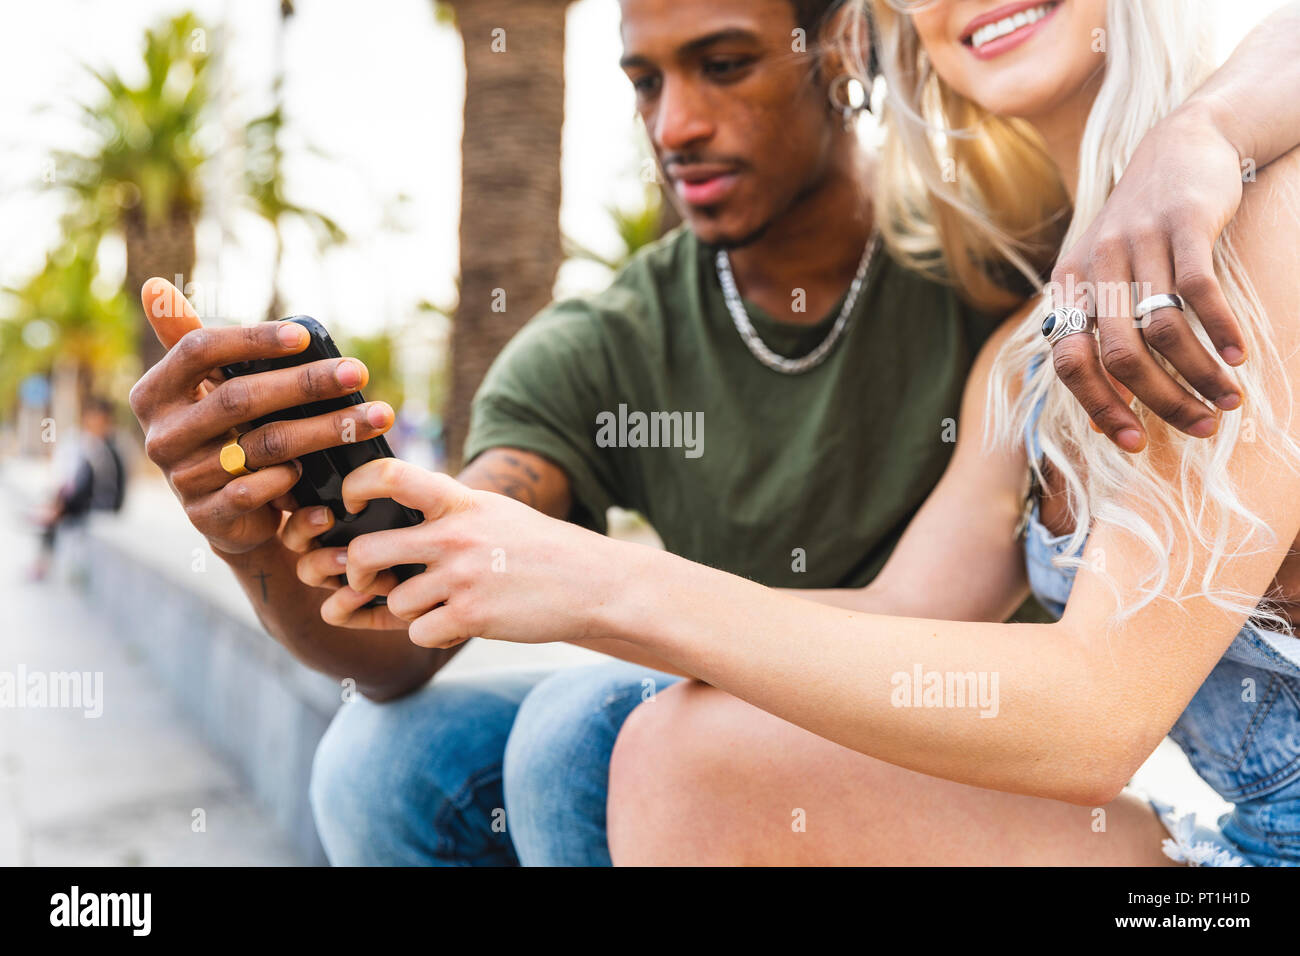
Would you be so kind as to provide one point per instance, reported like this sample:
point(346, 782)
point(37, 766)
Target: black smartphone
point(323, 471)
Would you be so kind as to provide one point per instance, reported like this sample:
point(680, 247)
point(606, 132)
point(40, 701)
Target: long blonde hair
point(973, 199)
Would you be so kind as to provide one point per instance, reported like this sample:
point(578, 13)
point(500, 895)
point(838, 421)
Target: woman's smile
point(994, 33)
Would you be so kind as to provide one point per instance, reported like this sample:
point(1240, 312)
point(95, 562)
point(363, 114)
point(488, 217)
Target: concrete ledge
point(156, 586)
point(253, 703)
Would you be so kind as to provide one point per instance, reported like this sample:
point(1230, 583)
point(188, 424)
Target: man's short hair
point(101, 404)
point(811, 14)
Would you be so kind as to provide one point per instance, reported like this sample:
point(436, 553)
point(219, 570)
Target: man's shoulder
point(655, 280)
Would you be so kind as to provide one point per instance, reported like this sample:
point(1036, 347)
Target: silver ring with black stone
point(1068, 320)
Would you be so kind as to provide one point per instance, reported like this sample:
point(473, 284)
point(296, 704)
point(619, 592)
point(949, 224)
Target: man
point(97, 480)
point(821, 408)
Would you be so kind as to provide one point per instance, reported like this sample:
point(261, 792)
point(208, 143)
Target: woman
point(1165, 566)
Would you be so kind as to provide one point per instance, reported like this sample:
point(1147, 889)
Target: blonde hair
point(999, 218)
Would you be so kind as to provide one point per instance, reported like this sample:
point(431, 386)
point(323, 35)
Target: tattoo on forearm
point(529, 470)
point(508, 475)
point(512, 486)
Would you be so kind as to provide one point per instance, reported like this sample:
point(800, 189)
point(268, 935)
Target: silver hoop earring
point(853, 100)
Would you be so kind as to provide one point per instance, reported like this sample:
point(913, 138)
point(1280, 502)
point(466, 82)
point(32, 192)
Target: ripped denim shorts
point(1241, 733)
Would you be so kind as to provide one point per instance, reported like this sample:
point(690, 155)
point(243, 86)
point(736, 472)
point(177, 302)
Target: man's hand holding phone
point(189, 409)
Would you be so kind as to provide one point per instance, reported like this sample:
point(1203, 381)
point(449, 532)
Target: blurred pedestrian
point(96, 480)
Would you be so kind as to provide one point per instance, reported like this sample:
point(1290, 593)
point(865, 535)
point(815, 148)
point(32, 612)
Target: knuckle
point(1145, 233)
point(1103, 413)
point(198, 514)
point(1196, 283)
point(271, 444)
point(1121, 359)
point(402, 604)
point(360, 553)
point(253, 338)
point(153, 446)
point(1107, 248)
point(157, 446)
point(311, 381)
point(1164, 332)
point(1070, 363)
point(195, 346)
point(137, 398)
point(235, 398)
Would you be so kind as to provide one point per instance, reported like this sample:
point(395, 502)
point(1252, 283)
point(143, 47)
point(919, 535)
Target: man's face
point(738, 119)
point(96, 422)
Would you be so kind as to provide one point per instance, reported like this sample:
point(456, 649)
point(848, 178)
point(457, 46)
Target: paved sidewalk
point(120, 789)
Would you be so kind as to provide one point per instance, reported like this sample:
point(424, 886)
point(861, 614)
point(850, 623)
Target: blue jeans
point(491, 770)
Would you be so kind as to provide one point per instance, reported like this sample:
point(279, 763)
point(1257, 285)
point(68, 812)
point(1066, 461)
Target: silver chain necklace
point(758, 348)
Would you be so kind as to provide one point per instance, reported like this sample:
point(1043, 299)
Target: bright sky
point(376, 86)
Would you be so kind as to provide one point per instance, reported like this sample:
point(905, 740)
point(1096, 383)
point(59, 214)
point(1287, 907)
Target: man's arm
point(1158, 230)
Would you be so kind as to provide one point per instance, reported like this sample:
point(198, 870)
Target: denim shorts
point(1241, 733)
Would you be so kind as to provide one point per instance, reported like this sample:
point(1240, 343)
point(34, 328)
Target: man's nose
point(682, 118)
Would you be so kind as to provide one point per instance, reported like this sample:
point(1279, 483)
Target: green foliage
point(145, 152)
point(636, 227)
point(67, 309)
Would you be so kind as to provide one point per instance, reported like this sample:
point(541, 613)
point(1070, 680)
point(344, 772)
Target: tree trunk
point(163, 249)
point(510, 246)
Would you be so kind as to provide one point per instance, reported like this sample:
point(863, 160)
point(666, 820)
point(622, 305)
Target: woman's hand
point(323, 567)
point(495, 568)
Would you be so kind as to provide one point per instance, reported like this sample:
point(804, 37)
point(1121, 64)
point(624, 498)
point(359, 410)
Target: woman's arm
point(1079, 704)
point(1066, 710)
point(963, 538)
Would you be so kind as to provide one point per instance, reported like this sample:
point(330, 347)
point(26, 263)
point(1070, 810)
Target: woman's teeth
point(992, 31)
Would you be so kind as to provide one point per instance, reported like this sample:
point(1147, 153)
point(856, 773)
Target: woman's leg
point(700, 777)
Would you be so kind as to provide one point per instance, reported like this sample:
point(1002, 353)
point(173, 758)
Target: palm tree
point(141, 175)
point(510, 245)
point(264, 174)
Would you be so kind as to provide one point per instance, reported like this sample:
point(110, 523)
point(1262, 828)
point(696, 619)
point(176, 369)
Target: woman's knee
point(666, 774)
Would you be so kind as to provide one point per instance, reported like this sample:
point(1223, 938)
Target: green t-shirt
point(791, 480)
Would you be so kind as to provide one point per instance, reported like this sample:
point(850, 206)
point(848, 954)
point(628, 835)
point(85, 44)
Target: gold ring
point(233, 459)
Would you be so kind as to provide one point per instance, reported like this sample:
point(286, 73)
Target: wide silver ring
point(1068, 320)
point(1165, 300)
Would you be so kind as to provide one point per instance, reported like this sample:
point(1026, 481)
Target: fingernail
point(291, 334)
point(1130, 439)
point(1233, 355)
point(320, 515)
point(1204, 428)
point(377, 415)
point(1229, 401)
point(341, 558)
point(349, 374)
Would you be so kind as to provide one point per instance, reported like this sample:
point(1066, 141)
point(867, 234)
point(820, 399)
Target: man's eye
point(723, 68)
point(645, 85)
